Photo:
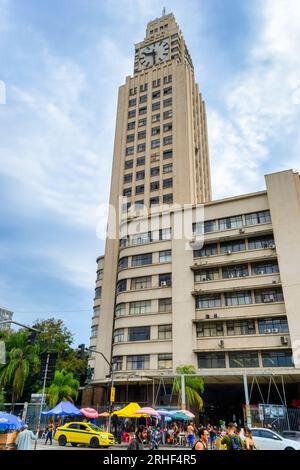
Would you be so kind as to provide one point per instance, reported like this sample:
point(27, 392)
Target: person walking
point(49, 434)
point(25, 438)
point(201, 444)
point(249, 442)
point(191, 434)
point(137, 442)
point(231, 440)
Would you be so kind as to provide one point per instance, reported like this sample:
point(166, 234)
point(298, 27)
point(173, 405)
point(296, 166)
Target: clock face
point(155, 53)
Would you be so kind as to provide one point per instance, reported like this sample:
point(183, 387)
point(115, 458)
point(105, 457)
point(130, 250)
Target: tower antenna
point(164, 11)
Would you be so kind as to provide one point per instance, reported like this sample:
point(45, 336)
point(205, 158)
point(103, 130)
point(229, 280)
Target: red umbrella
point(89, 412)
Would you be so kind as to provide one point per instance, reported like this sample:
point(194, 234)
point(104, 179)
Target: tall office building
point(162, 300)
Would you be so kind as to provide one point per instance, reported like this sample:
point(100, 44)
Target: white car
point(265, 439)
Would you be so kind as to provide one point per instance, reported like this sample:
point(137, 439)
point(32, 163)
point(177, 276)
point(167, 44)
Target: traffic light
point(81, 351)
point(31, 338)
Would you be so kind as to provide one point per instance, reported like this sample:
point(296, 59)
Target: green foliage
point(63, 388)
point(71, 363)
point(194, 386)
point(54, 336)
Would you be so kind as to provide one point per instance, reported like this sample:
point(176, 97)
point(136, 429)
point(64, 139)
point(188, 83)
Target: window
point(123, 242)
point(164, 361)
point(156, 83)
point(243, 359)
point(168, 114)
point(168, 168)
point(154, 201)
point(154, 186)
point(99, 274)
point(121, 286)
point(139, 189)
point(144, 282)
point(128, 164)
point(156, 117)
point(233, 246)
point(165, 332)
point(260, 242)
point(168, 90)
point(143, 110)
point(94, 331)
point(117, 363)
point(139, 204)
point(268, 295)
point(119, 335)
point(141, 147)
point(277, 359)
point(156, 94)
point(168, 198)
point(165, 280)
point(165, 305)
point(273, 325)
point(209, 329)
point(131, 113)
point(143, 99)
point(123, 263)
point(155, 143)
point(207, 250)
point(141, 135)
point(155, 130)
point(155, 105)
point(141, 307)
point(241, 327)
point(238, 298)
point(214, 360)
point(131, 125)
point(140, 161)
point(126, 206)
point(129, 150)
point(98, 292)
point(154, 157)
point(143, 87)
point(132, 102)
point(139, 333)
point(120, 310)
point(210, 274)
point(167, 127)
point(167, 154)
point(132, 91)
point(141, 260)
point(141, 238)
point(168, 183)
point(231, 222)
point(167, 79)
point(154, 171)
point(128, 178)
point(262, 217)
point(235, 271)
point(138, 362)
point(127, 192)
point(167, 102)
point(165, 234)
point(96, 311)
point(167, 140)
point(142, 122)
point(165, 256)
point(140, 175)
point(208, 301)
point(265, 267)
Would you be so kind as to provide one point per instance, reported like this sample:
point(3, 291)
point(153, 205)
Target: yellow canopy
point(128, 411)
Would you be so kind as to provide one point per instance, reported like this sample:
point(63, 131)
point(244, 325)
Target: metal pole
point(43, 393)
point(247, 402)
point(183, 404)
point(285, 404)
point(110, 401)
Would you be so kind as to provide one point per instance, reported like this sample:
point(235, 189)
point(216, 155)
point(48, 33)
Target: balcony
point(240, 283)
point(142, 347)
point(238, 257)
point(245, 231)
point(242, 311)
point(242, 342)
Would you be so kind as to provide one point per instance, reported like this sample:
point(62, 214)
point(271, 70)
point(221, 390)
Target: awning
point(129, 411)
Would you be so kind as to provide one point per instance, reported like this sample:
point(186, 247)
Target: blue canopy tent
point(64, 408)
point(10, 422)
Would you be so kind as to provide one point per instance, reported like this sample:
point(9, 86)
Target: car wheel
point(62, 440)
point(74, 444)
point(289, 448)
point(94, 442)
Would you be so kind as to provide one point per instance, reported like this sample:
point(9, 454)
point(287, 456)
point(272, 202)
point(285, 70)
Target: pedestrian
point(191, 434)
point(249, 442)
point(231, 440)
point(137, 442)
point(49, 434)
point(25, 438)
point(201, 444)
point(212, 436)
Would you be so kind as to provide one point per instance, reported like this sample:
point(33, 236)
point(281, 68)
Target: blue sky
point(62, 62)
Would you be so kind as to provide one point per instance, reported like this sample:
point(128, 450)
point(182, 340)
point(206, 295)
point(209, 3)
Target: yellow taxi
point(83, 433)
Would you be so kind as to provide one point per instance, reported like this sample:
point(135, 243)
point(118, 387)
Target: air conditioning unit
point(207, 317)
point(221, 343)
point(228, 252)
point(163, 284)
point(268, 330)
point(275, 330)
point(284, 340)
point(272, 246)
point(242, 230)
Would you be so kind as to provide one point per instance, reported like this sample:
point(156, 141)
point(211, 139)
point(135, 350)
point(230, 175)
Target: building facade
point(221, 295)
point(5, 315)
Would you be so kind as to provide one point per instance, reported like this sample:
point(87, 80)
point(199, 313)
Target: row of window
point(245, 359)
point(235, 298)
point(154, 186)
point(142, 333)
point(155, 94)
point(261, 217)
point(155, 107)
point(154, 119)
point(155, 171)
point(155, 84)
point(164, 256)
point(155, 131)
point(141, 362)
point(238, 270)
point(233, 246)
point(242, 327)
point(141, 160)
point(153, 201)
point(143, 307)
point(154, 145)
point(144, 282)
point(146, 237)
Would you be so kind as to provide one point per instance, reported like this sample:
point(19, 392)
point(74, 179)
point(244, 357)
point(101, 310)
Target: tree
point(194, 386)
point(54, 336)
point(63, 388)
point(70, 362)
point(22, 359)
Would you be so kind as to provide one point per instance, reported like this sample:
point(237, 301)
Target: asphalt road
point(55, 446)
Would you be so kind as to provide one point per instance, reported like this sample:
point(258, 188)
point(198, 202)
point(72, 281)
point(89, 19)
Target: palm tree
point(63, 388)
point(22, 360)
point(194, 386)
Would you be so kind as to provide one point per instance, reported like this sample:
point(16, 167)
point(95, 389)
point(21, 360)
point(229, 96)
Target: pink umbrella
point(147, 410)
point(89, 412)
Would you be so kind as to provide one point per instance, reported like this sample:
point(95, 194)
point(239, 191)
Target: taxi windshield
point(94, 427)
